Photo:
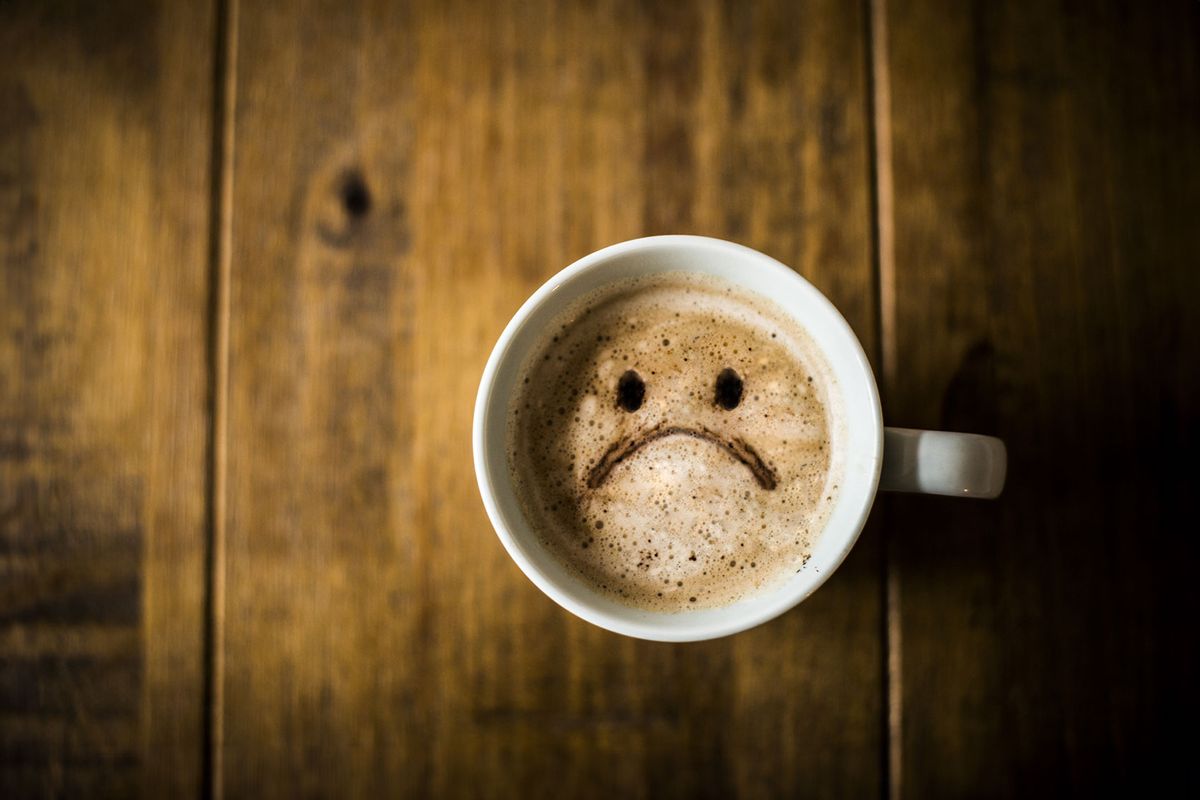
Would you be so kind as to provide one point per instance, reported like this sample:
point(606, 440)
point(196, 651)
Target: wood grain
point(1047, 177)
point(104, 186)
point(403, 178)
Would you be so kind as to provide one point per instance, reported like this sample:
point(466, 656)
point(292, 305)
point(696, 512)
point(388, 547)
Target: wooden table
point(253, 257)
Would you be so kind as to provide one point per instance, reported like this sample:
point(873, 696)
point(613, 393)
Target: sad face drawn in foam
point(631, 390)
point(669, 443)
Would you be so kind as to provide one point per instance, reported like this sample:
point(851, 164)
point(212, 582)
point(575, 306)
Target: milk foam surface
point(680, 503)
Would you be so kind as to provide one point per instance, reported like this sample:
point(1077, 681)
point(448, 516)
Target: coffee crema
point(670, 442)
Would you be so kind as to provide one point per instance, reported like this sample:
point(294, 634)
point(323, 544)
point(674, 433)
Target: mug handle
point(940, 462)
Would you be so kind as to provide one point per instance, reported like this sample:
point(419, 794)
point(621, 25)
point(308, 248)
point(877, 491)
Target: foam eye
point(631, 390)
point(729, 389)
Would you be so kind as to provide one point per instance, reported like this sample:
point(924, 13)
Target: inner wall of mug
point(856, 431)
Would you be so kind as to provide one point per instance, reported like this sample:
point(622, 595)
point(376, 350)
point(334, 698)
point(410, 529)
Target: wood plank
point(105, 139)
point(404, 178)
point(1047, 177)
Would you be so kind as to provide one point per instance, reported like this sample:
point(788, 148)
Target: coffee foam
point(681, 503)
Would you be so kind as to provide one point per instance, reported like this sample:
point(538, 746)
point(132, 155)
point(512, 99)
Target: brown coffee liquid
point(670, 442)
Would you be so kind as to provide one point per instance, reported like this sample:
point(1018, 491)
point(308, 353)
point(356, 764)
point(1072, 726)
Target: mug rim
point(483, 474)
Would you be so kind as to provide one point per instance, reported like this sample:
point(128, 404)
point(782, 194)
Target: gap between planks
point(220, 256)
point(884, 252)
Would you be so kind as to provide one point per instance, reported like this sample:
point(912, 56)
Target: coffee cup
point(870, 456)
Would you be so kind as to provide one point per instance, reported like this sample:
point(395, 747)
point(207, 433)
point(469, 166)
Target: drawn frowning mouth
point(629, 445)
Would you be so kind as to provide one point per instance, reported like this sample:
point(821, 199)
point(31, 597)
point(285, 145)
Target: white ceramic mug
point(870, 457)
